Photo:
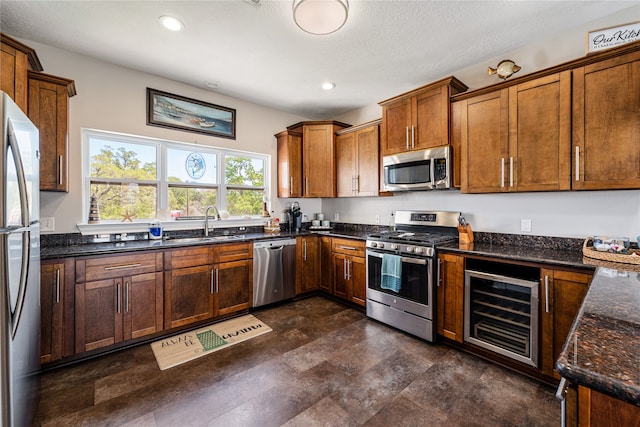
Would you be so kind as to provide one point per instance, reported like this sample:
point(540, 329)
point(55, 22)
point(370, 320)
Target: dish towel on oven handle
point(391, 272)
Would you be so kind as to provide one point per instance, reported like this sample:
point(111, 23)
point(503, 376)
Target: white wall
point(113, 98)
point(564, 214)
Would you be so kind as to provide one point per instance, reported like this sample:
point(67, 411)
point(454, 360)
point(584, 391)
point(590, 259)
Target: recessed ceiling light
point(328, 85)
point(171, 23)
point(212, 84)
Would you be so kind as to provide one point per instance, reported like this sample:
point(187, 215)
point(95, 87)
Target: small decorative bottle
point(94, 215)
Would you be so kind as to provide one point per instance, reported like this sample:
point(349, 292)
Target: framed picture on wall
point(178, 112)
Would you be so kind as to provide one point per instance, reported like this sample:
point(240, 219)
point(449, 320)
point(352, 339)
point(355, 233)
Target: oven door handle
point(419, 261)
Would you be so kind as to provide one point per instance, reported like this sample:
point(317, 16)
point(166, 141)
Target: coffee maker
point(294, 217)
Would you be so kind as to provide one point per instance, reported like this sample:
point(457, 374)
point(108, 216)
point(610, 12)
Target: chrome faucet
point(206, 219)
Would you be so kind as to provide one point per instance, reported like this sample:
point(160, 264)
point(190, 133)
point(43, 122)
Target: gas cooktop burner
point(424, 238)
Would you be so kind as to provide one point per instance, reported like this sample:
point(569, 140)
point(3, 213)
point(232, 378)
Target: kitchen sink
point(207, 239)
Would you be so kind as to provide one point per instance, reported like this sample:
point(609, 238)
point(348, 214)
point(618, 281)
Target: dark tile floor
point(323, 365)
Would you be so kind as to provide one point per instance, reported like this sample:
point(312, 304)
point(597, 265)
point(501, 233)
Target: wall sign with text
point(606, 38)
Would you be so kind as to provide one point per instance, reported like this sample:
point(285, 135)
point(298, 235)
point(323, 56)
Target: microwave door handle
point(432, 172)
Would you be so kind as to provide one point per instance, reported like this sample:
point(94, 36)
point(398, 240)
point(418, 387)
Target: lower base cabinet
point(349, 270)
point(585, 407)
point(450, 297)
point(308, 275)
point(55, 341)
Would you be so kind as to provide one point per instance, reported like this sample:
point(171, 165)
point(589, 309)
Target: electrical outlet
point(336, 216)
point(377, 219)
point(47, 224)
point(525, 225)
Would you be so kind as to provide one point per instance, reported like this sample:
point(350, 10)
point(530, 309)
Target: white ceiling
point(257, 53)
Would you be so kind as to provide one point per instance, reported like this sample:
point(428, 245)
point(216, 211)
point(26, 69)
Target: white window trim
point(140, 226)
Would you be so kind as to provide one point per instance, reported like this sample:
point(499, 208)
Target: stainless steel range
point(400, 270)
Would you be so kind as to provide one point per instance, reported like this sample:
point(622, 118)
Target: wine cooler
point(501, 314)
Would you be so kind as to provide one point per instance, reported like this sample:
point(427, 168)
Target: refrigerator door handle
point(15, 313)
point(22, 180)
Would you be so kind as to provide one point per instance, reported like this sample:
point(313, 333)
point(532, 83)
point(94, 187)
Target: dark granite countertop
point(602, 351)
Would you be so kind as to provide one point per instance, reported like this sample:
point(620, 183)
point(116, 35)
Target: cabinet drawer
point(108, 267)
point(233, 252)
point(188, 257)
point(348, 247)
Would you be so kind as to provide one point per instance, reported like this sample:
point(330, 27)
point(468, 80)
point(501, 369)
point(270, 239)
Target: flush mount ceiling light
point(171, 23)
point(328, 85)
point(320, 16)
point(212, 84)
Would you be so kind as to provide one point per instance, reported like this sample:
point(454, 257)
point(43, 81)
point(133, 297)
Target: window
point(138, 176)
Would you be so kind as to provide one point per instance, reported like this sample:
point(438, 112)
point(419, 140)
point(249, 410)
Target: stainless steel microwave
point(428, 169)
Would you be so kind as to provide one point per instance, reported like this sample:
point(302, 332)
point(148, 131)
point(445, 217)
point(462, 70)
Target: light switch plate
point(525, 225)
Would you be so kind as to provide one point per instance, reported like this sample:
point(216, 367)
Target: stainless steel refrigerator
point(19, 266)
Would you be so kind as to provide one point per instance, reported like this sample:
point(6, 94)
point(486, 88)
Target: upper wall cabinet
point(15, 60)
point(606, 124)
point(318, 156)
point(289, 163)
point(48, 109)
point(418, 119)
point(518, 138)
point(357, 161)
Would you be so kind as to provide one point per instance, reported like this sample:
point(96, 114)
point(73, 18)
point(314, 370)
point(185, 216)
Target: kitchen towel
point(391, 272)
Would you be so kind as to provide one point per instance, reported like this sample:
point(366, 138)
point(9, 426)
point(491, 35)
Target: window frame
point(163, 184)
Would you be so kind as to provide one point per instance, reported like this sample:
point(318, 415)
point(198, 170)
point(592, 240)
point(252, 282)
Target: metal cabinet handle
point(212, 279)
point(546, 294)
point(439, 278)
point(406, 137)
point(57, 286)
point(510, 171)
point(217, 280)
point(561, 394)
point(60, 170)
point(126, 297)
point(119, 267)
point(306, 185)
point(118, 295)
point(347, 248)
point(344, 268)
point(577, 163)
point(413, 137)
point(357, 183)
point(502, 172)
point(304, 250)
point(290, 184)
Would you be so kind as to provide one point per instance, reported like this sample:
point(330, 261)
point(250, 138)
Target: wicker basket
point(632, 257)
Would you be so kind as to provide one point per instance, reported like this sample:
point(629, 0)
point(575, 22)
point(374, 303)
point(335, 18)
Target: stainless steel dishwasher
point(274, 271)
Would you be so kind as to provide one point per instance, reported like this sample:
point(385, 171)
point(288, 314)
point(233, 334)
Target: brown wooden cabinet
point(357, 160)
point(418, 119)
point(596, 409)
point(55, 341)
point(326, 265)
point(517, 138)
point(349, 270)
point(15, 60)
point(561, 295)
point(308, 274)
point(289, 163)
point(117, 298)
point(450, 297)
point(606, 124)
point(48, 110)
point(318, 156)
point(206, 281)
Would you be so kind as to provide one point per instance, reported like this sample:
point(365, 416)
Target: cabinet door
point(142, 302)
point(233, 286)
point(51, 309)
point(485, 143)
point(358, 277)
point(606, 124)
point(98, 314)
point(48, 109)
point(341, 285)
point(326, 265)
point(450, 294)
point(540, 134)
point(13, 73)
point(188, 295)
point(431, 119)
point(396, 127)
point(561, 297)
point(346, 165)
point(289, 164)
point(308, 264)
point(367, 161)
point(318, 161)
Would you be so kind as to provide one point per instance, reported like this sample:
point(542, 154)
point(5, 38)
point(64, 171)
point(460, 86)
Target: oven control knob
point(374, 245)
point(394, 246)
point(418, 251)
point(410, 249)
point(381, 245)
